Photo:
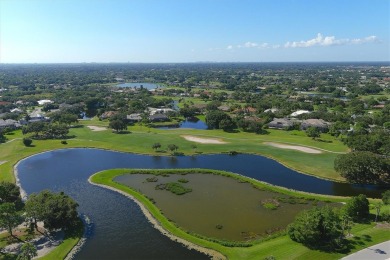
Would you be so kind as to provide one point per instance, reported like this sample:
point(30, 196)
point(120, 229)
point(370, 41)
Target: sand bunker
point(203, 140)
point(96, 128)
point(1, 162)
point(295, 147)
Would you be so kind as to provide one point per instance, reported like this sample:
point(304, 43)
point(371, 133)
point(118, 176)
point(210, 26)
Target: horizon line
point(188, 62)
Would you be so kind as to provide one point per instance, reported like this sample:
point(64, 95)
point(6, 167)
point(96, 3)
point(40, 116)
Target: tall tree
point(313, 132)
point(56, 210)
point(9, 192)
point(363, 167)
point(27, 252)
point(9, 217)
point(316, 228)
point(358, 208)
point(117, 125)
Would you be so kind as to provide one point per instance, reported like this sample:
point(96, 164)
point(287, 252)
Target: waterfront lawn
point(281, 247)
point(141, 138)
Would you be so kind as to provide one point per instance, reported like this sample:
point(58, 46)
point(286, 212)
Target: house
point(9, 123)
point(271, 110)
point(44, 101)
point(5, 103)
point(224, 108)
point(317, 123)
point(108, 114)
point(283, 123)
point(136, 117)
point(153, 110)
point(158, 118)
point(299, 112)
point(16, 110)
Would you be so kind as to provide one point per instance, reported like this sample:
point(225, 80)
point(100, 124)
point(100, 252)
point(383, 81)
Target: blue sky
point(51, 31)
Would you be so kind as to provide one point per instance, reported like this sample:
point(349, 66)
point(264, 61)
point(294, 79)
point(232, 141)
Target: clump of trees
point(326, 228)
point(55, 210)
point(219, 120)
point(118, 122)
point(45, 130)
point(363, 167)
point(317, 228)
point(313, 132)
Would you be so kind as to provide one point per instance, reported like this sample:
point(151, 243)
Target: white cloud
point(250, 45)
point(320, 40)
point(371, 38)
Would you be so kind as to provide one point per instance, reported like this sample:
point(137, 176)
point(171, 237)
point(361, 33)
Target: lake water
point(121, 231)
point(188, 123)
point(148, 86)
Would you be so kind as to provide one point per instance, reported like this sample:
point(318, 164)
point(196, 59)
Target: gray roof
point(135, 117)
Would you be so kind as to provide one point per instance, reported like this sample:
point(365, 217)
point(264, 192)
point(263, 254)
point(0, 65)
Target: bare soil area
point(295, 147)
point(203, 140)
point(96, 128)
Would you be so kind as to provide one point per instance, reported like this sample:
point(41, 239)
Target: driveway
point(380, 251)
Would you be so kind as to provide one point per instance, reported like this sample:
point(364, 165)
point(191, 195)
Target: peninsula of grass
point(280, 246)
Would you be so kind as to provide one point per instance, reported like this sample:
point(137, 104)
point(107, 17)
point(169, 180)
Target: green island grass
point(175, 188)
point(281, 247)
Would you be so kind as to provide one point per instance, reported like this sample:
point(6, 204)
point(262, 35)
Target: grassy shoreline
point(140, 141)
point(259, 248)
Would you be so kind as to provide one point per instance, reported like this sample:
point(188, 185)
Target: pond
point(193, 123)
point(121, 230)
point(146, 85)
point(218, 206)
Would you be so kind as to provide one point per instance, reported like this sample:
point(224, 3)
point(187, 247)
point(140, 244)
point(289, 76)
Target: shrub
point(27, 141)
point(317, 228)
point(358, 208)
point(386, 197)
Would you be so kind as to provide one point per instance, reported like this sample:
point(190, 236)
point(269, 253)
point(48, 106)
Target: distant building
point(16, 110)
point(158, 118)
point(299, 112)
point(271, 110)
point(283, 123)
point(44, 101)
point(136, 117)
point(317, 123)
point(224, 108)
point(108, 114)
point(9, 123)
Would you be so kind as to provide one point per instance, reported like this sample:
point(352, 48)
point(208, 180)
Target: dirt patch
point(384, 225)
point(295, 147)
point(203, 140)
point(96, 128)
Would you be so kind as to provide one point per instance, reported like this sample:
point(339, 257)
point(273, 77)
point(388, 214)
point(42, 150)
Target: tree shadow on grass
point(324, 141)
point(123, 132)
point(344, 246)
